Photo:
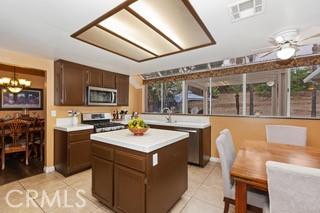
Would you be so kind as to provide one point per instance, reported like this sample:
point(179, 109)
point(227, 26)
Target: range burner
point(101, 122)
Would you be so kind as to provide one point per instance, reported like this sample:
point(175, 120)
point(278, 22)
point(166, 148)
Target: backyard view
point(266, 95)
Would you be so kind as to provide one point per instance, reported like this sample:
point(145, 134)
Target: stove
point(101, 122)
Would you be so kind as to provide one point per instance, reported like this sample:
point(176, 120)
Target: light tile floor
point(204, 194)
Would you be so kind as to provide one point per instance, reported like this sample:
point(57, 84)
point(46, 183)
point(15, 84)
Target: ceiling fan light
point(286, 53)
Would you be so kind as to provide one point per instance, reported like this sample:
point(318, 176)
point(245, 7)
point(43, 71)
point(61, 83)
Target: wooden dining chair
point(293, 188)
point(37, 137)
point(256, 201)
point(18, 131)
point(284, 134)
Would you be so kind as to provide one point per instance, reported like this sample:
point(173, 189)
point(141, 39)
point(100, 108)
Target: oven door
point(101, 96)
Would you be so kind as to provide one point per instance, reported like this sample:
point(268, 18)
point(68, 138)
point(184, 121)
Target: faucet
point(169, 112)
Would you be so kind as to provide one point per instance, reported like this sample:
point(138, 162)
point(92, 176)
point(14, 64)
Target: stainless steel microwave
point(101, 96)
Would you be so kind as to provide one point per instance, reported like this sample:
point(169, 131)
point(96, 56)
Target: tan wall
point(25, 60)
point(245, 128)
point(37, 82)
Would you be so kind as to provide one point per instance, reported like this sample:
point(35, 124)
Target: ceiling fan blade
point(310, 33)
point(273, 41)
point(267, 53)
point(308, 41)
point(265, 49)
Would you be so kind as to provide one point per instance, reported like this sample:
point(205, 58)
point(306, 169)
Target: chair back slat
point(16, 129)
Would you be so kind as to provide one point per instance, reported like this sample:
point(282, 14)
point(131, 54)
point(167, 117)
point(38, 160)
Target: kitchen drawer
point(79, 136)
point(102, 151)
point(130, 160)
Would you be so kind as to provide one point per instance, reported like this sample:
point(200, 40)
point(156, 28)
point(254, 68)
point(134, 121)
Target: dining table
point(249, 167)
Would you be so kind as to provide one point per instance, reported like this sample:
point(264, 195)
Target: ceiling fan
point(286, 43)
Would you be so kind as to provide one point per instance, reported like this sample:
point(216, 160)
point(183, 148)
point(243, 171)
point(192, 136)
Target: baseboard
point(48, 169)
point(214, 159)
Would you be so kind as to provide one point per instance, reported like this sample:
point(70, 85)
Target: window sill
point(237, 116)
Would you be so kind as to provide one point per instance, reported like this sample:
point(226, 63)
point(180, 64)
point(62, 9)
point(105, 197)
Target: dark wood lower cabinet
point(79, 156)
point(127, 181)
point(129, 190)
point(102, 180)
point(72, 151)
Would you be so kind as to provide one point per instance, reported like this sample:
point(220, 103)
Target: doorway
point(22, 123)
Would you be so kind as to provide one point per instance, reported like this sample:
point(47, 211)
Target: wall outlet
point(155, 159)
point(53, 113)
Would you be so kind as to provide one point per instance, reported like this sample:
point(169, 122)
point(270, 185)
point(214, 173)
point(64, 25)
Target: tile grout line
point(31, 197)
point(184, 206)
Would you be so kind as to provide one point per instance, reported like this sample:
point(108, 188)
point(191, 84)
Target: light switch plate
point(53, 113)
point(155, 159)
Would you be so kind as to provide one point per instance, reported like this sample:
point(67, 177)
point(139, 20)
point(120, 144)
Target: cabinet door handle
point(88, 77)
point(65, 94)
point(62, 85)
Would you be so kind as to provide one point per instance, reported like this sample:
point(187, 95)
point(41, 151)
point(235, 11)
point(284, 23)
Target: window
point(290, 92)
point(226, 93)
point(172, 96)
point(198, 98)
point(304, 97)
point(153, 97)
point(266, 93)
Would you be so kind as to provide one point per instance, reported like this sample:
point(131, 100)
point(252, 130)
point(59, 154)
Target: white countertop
point(152, 140)
point(72, 128)
point(196, 125)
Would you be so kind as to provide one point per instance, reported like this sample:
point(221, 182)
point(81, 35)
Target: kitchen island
point(138, 174)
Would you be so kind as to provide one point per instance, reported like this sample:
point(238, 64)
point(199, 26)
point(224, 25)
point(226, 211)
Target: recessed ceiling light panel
point(130, 27)
point(107, 41)
point(147, 29)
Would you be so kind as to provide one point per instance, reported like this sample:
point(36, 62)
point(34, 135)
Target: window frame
point(208, 112)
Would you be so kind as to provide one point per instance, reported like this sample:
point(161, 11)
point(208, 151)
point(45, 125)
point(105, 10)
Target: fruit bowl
point(137, 126)
point(138, 131)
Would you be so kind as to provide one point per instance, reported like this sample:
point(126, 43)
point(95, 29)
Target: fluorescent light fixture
point(131, 28)
point(147, 29)
point(152, 15)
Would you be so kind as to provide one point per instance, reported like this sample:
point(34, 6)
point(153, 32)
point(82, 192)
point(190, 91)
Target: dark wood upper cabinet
point(122, 83)
point(69, 80)
point(109, 80)
point(93, 77)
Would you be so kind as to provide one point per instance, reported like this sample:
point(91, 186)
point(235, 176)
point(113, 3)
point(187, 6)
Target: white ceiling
point(43, 28)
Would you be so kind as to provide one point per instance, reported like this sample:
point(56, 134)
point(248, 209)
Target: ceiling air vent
point(245, 8)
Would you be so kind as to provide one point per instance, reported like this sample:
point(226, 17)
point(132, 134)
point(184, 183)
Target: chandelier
point(14, 85)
